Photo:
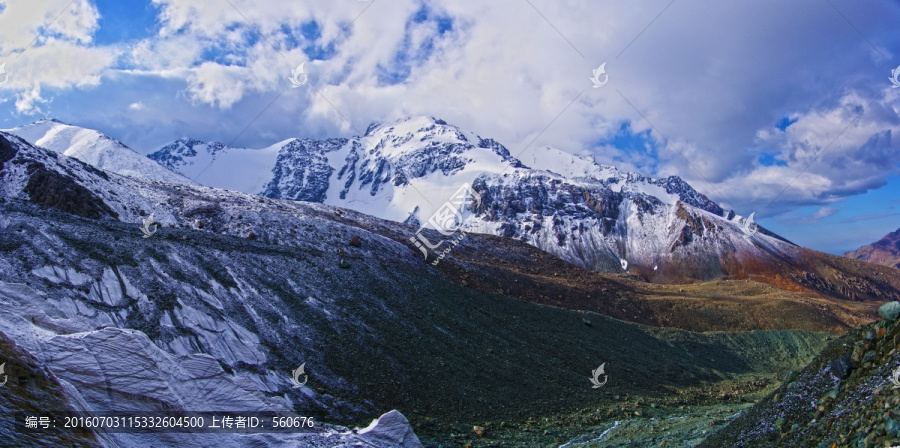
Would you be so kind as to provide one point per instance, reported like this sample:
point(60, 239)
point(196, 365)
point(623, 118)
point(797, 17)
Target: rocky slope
point(218, 304)
point(885, 251)
point(594, 216)
point(846, 397)
point(827, 302)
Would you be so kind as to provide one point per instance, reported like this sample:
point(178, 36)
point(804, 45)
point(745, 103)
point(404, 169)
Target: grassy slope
point(503, 266)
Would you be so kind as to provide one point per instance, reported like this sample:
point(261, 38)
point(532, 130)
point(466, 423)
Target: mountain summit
point(590, 214)
point(94, 148)
point(885, 251)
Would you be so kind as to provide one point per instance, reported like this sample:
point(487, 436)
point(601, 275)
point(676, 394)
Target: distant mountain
point(885, 251)
point(592, 215)
point(238, 169)
point(94, 148)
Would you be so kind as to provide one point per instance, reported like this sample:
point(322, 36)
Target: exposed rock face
point(175, 154)
point(7, 151)
point(116, 369)
point(113, 339)
point(46, 187)
point(885, 251)
point(29, 387)
point(302, 170)
point(592, 215)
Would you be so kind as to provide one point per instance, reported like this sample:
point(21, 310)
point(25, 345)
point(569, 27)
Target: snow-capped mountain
point(94, 148)
point(123, 294)
point(238, 169)
point(590, 214)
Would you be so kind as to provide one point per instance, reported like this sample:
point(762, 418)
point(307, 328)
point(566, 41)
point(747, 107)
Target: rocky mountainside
point(848, 396)
point(216, 299)
point(96, 149)
point(592, 215)
point(885, 251)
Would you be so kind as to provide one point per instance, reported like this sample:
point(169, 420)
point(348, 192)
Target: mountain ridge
point(590, 214)
point(660, 230)
point(885, 251)
point(232, 291)
point(94, 148)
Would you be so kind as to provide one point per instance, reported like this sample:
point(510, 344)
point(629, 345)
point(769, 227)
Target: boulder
point(841, 366)
point(391, 429)
point(889, 311)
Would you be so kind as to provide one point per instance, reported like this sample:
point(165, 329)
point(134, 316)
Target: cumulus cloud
point(827, 154)
point(703, 86)
point(28, 101)
point(22, 21)
point(46, 44)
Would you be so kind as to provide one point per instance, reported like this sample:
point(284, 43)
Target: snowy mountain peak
point(407, 125)
point(94, 148)
point(590, 214)
point(409, 134)
point(184, 151)
point(587, 213)
point(570, 166)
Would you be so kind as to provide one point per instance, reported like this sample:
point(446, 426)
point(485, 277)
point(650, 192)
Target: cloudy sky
point(782, 108)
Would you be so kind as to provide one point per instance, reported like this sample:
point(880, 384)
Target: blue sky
point(781, 109)
point(125, 21)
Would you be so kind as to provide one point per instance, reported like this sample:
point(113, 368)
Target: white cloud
point(829, 153)
point(711, 78)
point(161, 54)
point(45, 44)
point(216, 84)
point(23, 21)
point(823, 212)
point(28, 100)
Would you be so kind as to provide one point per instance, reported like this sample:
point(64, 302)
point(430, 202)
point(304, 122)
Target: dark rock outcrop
point(47, 187)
